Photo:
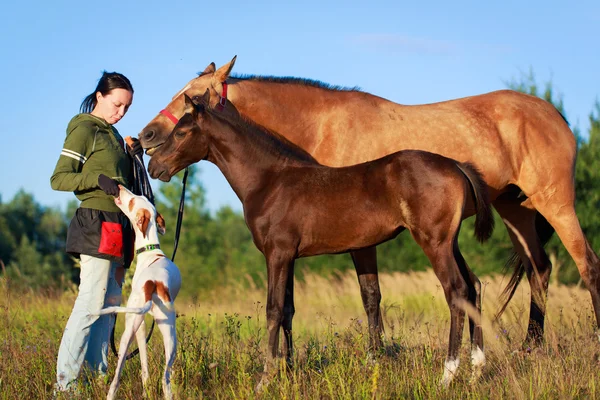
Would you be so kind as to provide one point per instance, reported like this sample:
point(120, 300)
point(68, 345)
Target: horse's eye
point(180, 134)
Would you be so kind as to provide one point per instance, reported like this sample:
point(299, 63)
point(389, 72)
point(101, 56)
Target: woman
point(92, 163)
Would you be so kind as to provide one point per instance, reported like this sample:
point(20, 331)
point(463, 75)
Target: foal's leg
point(529, 248)
point(365, 262)
point(289, 310)
point(279, 264)
point(474, 285)
point(441, 255)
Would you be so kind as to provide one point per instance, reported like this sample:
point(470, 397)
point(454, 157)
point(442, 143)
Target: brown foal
point(295, 207)
point(520, 143)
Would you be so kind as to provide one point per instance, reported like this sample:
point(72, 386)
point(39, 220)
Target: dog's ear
point(160, 223)
point(142, 217)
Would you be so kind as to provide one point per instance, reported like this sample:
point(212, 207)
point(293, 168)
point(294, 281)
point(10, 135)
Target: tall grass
point(222, 343)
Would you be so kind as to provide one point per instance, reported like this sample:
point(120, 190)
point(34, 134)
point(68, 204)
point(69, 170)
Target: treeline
point(217, 249)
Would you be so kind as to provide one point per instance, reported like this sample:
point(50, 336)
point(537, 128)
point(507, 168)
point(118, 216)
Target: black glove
point(136, 148)
point(108, 185)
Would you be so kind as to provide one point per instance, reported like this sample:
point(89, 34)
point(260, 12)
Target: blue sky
point(53, 53)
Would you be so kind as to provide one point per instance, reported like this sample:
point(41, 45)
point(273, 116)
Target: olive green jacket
point(92, 147)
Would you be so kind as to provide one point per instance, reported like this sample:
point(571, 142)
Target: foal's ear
point(142, 217)
point(221, 75)
point(205, 99)
point(189, 107)
point(160, 223)
point(200, 104)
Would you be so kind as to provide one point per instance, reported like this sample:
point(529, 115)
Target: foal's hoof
point(371, 359)
point(262, 385)
point(450, 370)
point(446, 380)
point(475, 375)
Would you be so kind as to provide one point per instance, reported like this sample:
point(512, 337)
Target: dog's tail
point(133, 310)
point(151, 289)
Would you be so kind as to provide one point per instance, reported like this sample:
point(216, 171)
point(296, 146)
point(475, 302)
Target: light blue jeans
point(86, 337)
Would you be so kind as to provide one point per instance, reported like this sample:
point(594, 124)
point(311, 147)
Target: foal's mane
point(295, 81)
point(266, 138)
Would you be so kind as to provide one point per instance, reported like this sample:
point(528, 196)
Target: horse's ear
point(221, 75)
point(210, 69)
point(189, 107)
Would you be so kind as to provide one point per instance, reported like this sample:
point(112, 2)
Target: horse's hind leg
point(288, 314)
point(365, 262)
point(559, 211)
point(476, 333)
point(441, 255)
point(520, 223)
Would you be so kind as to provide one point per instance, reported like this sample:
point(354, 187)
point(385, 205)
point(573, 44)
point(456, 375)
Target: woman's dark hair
point(108, 82)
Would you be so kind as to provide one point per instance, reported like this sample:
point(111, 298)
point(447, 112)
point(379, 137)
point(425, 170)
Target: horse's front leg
point(279, 264)
point(365, 262)
point(289, 310)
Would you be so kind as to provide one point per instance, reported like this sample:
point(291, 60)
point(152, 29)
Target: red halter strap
point(170, 116)
point(223, 97)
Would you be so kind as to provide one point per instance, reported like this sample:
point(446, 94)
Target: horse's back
point(503, 133)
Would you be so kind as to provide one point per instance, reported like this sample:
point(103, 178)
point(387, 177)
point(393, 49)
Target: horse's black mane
point(293, 80)
point(296, 81)
point(268, 138)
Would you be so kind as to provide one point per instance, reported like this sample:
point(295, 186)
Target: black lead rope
point(141, 186)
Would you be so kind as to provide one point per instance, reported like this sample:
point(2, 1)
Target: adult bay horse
point(296, 207)
point(521, 144)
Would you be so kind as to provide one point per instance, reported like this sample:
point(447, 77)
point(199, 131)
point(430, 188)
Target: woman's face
point(113, 106)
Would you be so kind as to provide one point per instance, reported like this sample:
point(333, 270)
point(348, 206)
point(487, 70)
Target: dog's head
point(139, 211)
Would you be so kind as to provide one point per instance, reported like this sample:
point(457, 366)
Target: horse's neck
point(282, 107)
point(245, 159)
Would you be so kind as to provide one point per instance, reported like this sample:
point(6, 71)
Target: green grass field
point(222, 343)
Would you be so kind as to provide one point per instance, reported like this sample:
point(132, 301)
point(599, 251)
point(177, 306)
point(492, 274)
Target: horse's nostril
point(148, 135)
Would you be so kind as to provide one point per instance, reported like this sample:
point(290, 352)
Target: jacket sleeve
point(68, 174)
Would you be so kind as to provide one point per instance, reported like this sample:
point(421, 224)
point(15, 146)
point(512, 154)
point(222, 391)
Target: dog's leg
point(132, 323)
point(140, 335)
point(166, 324)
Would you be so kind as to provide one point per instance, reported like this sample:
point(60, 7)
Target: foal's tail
point(484, 218)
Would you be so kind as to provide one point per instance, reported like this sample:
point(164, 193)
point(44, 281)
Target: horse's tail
point(484, 218)
point(544, 231)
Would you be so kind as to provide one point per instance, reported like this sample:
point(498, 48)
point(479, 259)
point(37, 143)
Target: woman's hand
point(108, 185)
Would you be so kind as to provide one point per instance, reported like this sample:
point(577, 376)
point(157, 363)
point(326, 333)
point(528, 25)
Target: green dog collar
point(147, 247)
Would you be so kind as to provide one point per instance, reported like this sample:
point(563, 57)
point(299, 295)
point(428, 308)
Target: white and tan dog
point(155, 285)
